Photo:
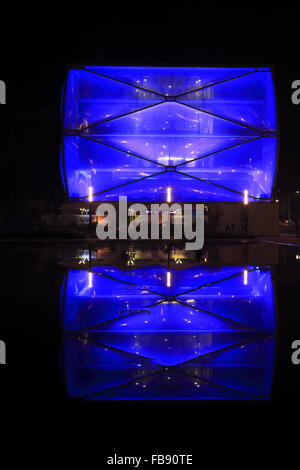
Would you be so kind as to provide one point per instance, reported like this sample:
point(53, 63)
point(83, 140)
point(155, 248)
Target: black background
point(36, 49)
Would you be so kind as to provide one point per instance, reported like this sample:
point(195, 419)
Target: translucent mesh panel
point(96, 367)
point(249, 166)
point(170, 133)
point(170, 317)
point(91, 299)
point(90, 164)
point(183, 188)
point(154, 278)
point(247, 367)
point(251, 304)
point(170, 81)
point(90, 98)
point(62, 169)
point(222, 292)
point(180, 347)
point(168, 386)
point(249, 100)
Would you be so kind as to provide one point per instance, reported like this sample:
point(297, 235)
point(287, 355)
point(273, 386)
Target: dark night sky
point(36, 51)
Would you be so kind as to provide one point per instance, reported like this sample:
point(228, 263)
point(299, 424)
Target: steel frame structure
point(166, 168)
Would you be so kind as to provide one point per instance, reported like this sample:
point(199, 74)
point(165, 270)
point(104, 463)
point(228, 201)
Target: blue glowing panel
point(172, 385)
point(90, 98)
point(249, 166)
point(90, 164)
point(96, 371)
point(107, 292)
point(248, 302)
point(96, 367)
point(226, 292)
point(247, 367)
point(169, 317)
point(154, 278)
point(170, 116)
point(91, 298)
point(170, 348)
point(248, 100)
point(170, 133)
point(170, 81)
point(183, 188)
point(216, 333)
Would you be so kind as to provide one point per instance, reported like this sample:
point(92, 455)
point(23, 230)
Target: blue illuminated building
point(208, 133)
point(159, 333)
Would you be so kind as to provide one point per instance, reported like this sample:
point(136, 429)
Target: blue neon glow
point(205, 324)
point(170, 133)
point(91, 99)
point(250, 165)
point(123, 124)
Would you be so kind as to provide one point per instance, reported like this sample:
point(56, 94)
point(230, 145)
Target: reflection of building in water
point(213, 254)
point(165, 332)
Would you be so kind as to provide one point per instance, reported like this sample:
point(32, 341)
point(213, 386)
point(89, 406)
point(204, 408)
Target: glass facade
point(214, 128)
